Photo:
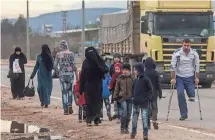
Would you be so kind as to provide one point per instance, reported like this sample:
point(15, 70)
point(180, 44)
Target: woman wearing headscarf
point(43, 68)
point(92, 73)
point(18, 82)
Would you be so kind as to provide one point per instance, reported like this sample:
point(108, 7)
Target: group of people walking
point(97, 82)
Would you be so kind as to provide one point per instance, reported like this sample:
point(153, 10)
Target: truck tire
point(206, 85)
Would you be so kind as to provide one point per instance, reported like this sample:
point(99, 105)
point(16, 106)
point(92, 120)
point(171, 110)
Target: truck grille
point(168, 50)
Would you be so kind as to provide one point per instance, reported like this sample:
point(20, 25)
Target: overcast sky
point(12, 8)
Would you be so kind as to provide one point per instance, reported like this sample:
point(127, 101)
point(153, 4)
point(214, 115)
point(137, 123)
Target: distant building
point(91, 34)
point(47, 29)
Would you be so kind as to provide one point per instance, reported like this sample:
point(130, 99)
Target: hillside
point(74, 18)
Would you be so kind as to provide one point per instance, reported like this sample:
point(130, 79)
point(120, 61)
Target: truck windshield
point(182, 24)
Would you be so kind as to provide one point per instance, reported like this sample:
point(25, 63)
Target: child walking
point(106, 96)
point(80, 101)
point(123, 94)
point(142, 95)
point(116, 74)
point(154, 77)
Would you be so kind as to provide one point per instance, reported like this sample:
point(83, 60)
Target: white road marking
point(193, 130)
point(173, 126)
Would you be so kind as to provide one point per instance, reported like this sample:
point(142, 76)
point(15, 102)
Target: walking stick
point(200, 110)
point(170, 100)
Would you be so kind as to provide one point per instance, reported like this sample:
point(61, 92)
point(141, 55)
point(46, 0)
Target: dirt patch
point(28, 111)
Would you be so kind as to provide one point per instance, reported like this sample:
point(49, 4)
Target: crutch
point(200, 110)
point(170, 100)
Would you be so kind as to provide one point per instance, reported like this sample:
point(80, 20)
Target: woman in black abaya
point(92, 73)
point(18, 84)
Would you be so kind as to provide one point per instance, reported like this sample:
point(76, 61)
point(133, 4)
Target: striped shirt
point(185, 65)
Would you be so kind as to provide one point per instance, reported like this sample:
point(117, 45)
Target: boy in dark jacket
point(154, 77)
point(142, 95)
point(123, 94)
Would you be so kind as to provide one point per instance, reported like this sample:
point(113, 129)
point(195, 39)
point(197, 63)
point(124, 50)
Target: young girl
point(80, 101)
point(117, 72)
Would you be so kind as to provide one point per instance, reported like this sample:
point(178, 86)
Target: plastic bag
point(16, 67)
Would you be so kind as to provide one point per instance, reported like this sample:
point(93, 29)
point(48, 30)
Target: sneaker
point(155, 124)
point(109, 117)
point(145, 138)
point(118, 121)
point(46, 106)
point(70, 109)
point(113, 117)
point(66, 112)
point(123, 132)
point(126, 132)
point(132, 136)
point(89, 124)
point(192, 99)
point(183, 118)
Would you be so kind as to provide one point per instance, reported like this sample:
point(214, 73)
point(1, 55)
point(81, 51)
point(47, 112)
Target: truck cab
point(165, 24)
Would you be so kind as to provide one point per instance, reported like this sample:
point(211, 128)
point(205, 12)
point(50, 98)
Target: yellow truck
point(157, 28)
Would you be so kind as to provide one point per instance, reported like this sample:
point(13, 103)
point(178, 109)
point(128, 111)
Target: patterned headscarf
point(63, 45)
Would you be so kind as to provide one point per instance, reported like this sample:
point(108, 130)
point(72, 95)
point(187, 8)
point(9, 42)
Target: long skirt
point(17, 86)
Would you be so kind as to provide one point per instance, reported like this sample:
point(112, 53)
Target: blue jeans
point(126, 110)
point(187, 84)
point(107, 105)
point(136, 112)
point(66, 83)
point(117, 109)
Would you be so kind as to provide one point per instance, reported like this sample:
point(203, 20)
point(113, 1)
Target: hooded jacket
point(123, 88)
point(106, 82)
point(65, 60)
point(154, 77)
point(142, 90)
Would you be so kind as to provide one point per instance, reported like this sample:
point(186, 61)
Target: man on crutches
point(185, 74)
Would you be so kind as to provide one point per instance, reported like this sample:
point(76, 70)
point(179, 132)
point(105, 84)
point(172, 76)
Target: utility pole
point(28, 51)
point(83, 30)
point(127, 4)
point(64, 24)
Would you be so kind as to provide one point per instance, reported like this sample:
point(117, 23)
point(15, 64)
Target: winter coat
point(123, 88)
point(81, 98)
point(106, 92)
point(142, 91)
point(154, 77)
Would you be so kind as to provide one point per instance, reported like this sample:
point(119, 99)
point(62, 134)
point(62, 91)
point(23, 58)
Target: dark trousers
point(154, 111)
point(82, 112)
point(107, 105)
point(17, 86)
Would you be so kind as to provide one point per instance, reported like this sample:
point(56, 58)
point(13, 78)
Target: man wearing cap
point(185, 74)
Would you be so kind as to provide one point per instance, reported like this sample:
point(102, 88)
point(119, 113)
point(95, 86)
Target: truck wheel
point(207, 85)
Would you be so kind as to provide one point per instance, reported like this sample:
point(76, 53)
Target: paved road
point(207, 101)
